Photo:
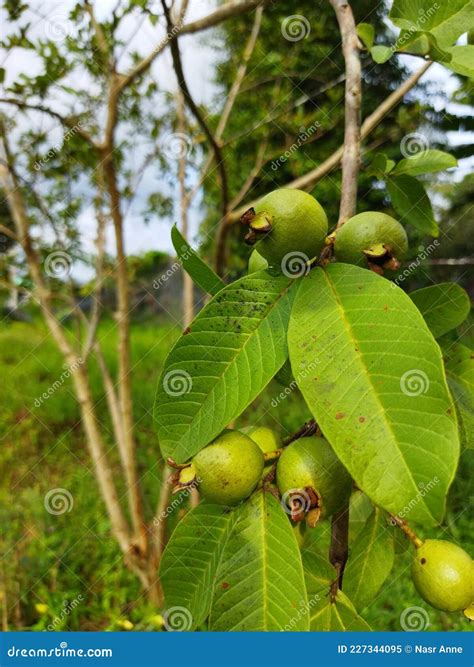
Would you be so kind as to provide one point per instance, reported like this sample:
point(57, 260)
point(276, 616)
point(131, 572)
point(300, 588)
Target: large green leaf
point(459, 364)
point(260, 583)
point(446, 20)
point(379, 392)
point(190, 560)
point(231, 351)
point(200, 272)
point(370, 560)
point(425, 162)
point(462, 61)
point(413, 205)
point(328, 612)
point(444, 306)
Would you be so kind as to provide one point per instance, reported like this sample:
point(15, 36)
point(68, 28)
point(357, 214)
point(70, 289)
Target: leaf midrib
point(359, 355)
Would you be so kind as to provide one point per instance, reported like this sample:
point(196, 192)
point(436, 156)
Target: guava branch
point(310, 179)
point(353, 96)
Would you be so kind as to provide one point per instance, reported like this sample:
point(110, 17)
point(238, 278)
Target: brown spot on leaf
point(362, 420)
point(225, 585)
point(340, 415)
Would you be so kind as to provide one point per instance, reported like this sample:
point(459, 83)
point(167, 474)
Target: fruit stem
point(309, 428)
point(409, 532)
point(271, 456)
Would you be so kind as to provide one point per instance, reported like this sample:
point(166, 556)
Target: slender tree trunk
point(188, 286)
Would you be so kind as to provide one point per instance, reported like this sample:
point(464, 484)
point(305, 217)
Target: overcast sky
point(50, 18)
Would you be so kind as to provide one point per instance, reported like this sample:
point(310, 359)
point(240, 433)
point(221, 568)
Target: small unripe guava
point(229, 469)
point(257, 262)
point(442, 574)
point(311, 463)
point(298, 225)
point(368, 232)
point(266, 438)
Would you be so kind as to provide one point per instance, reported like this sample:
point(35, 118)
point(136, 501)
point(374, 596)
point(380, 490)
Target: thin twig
point(310, 179)
point(353, 97)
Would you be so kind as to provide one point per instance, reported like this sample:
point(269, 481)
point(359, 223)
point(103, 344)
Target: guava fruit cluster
point(288, 223)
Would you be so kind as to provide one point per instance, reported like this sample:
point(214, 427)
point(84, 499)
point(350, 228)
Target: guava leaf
point(366, 33)
point(325, 612)
point(380, 54)
point(379, 391)
point(380, 165)
point(259, 583)
point(360, 508)
point(189, 562)
point(370, 560)
point(462, 61)
point(412, 204)
point(425, 162)
point(230, 352)
point(459, 364)
point(200, 272)
point(422, 43)
point(445, 20)
point(444, 306)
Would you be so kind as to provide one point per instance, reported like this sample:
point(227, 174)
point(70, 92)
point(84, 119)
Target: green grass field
point(68, 567)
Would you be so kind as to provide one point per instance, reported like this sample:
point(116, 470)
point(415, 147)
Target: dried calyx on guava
point(227, 470)
point(372, 239)
point(312, 480)
point(443, 575)
point(286, 222)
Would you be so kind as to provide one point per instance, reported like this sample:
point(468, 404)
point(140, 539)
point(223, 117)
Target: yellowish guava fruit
point(229, 469)
point(442, 574)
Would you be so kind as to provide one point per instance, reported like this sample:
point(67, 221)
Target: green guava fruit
point(310, 463)
point(229, 469)
point(266, 438)
point(442, 574)
point(257, 262)
point(298, 225)
point(370, 237)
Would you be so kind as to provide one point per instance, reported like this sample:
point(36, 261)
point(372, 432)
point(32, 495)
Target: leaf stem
point(409, 532)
